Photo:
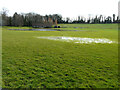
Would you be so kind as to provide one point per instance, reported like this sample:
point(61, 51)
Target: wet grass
point(79, 40)
point(89, 26)
point(41, 63)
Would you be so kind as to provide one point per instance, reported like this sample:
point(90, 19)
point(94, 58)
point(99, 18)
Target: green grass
point(39, 63)
point(89, 26)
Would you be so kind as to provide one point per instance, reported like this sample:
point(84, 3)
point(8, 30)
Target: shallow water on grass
point(44, 30)
point(34, 29)
point(79, 40)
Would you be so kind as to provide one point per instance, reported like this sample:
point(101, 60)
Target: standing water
point(79, 40)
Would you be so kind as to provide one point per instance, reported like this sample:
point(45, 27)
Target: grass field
point(41, 63)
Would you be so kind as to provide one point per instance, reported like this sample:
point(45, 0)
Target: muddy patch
point(79, 40)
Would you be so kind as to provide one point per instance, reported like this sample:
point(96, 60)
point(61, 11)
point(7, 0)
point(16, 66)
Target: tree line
point(30, 19)
point(34, 20)
point(98, 19)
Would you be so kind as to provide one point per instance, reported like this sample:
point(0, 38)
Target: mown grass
point(41, 63)
point(89, 26)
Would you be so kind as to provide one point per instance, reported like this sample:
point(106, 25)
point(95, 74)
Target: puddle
point(34, 29)
point(44, 30)
point(79, 40)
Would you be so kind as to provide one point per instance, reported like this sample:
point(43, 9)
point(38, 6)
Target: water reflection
point(45, 30)
point(79, 40)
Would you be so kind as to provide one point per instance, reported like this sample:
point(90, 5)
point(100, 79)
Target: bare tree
point(4, 17)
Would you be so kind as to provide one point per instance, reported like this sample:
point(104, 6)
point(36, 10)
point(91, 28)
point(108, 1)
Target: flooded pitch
point(79, 40)
point(44, 30)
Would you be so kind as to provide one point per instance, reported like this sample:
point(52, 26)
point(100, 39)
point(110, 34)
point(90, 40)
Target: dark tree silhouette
point(37, 20)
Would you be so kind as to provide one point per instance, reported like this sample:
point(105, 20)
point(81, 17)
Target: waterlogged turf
point(80, 40)
point(29, 61)
point(43, 30)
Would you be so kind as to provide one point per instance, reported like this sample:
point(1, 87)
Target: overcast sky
point(67, 8)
